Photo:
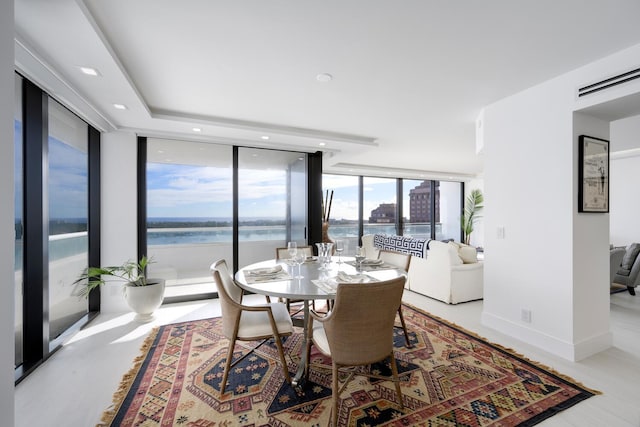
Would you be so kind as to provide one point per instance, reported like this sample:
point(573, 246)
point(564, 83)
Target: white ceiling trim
point(269, 128)
point(32, 66)
point(151, 133)
point(390, 172)
point(112, 53)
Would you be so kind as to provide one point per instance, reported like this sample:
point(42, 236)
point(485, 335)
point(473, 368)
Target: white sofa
point(442, 275)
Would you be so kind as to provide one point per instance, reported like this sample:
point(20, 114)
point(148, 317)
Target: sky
point(187, 191)
point(200, 191)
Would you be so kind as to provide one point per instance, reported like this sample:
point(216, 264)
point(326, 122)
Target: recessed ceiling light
point(300, 158)
point(197, 130)
point(90, 71)
point(265, 137)
point(322, 144)
point(120, 106)
point(324, 77)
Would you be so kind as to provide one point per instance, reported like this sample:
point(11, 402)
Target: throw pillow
point(630, 256)
point(468, 254)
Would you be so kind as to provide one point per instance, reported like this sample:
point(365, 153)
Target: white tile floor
point(76, 384)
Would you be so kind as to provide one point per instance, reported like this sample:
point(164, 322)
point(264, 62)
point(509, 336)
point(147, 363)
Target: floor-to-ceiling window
point(428, 209)
point(190, 209)
point(417, 207)
point(54, 149)
point(379, 205)
point(345, 209)
point(68, 215)
point(272, 202)
point(189, 212)
point(449, 208)
point(17, 146)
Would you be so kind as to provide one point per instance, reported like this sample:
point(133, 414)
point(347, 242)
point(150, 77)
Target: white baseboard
point(567, 350)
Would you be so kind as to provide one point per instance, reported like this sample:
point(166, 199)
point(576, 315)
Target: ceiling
point(409, 78)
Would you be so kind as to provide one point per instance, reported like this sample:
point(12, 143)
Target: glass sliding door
point(379, 205)
point(189, 213)
point(68, 215)
point(272, 202)
point(449, 207)
point(345, 208)
point(416, 208)
point(17, 145)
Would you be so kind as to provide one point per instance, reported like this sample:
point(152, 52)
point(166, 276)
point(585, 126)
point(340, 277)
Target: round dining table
point(309, 281)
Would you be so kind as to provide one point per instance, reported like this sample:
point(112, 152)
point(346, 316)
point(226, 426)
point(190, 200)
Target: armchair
point(615, 261)
point(628, 273)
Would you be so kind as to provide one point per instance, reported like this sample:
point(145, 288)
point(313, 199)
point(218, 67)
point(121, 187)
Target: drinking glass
point(292, 248)
point(360, 256)
point(339, 249)
point(299, 259)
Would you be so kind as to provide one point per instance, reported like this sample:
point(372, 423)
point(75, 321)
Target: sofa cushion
point(630, 256)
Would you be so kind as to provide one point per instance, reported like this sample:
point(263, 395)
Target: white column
point(7, 215)
point(118, 236)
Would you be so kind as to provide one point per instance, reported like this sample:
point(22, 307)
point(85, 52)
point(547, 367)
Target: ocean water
point(60, 248)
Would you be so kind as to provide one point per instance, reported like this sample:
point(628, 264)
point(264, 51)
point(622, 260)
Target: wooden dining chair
point(357, 331)
point(283, 253)
point(248, 323)
point(401, 261)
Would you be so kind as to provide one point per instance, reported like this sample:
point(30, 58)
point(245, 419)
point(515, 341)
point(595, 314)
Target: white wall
point(118, 180)
point(552, 260)
point(624, 226)
point(7, 231)
point(590, 248)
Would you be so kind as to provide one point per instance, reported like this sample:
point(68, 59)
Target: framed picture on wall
point(593, 175)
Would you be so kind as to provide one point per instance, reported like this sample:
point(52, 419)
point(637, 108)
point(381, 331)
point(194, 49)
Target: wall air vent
point(610, 82)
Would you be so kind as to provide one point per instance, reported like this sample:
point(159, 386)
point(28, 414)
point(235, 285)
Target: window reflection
point(68, 213)
point(272, 202)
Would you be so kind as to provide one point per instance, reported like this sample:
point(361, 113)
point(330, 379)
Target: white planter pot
point(144, 300)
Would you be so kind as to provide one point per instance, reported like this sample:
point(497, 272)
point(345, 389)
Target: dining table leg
point(299, 376)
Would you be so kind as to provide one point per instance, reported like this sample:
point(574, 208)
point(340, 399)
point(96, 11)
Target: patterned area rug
point(450, 377)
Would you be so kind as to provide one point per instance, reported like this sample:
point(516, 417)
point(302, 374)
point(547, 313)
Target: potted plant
point(143, 295)
point(472, 207)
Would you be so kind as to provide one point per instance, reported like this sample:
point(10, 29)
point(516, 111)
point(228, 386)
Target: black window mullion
point(235, 221)
point(432, 201)
point(399, 222)
point(94, 211)
point(314, 197)
point(36, 226)
point(461, 210)
point(142, 196)
point(360, 208)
